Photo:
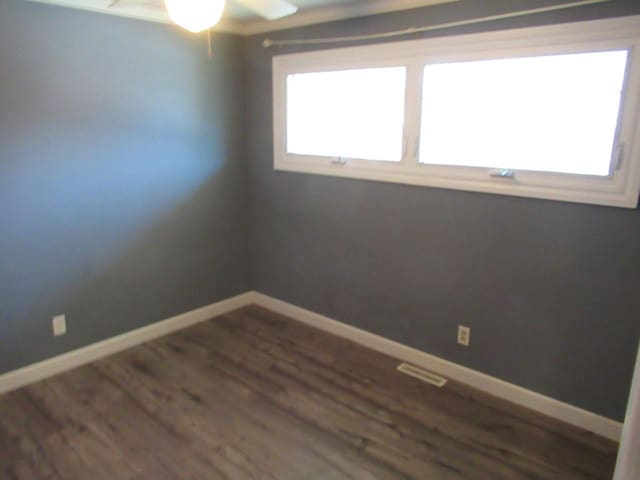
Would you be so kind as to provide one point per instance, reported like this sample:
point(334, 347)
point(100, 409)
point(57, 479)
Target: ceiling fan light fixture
point(195, 15)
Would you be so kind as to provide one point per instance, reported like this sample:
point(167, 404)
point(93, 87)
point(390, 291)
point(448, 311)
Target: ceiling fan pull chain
point(209, 44)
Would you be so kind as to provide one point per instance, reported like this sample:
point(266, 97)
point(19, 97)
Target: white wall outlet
point(464, 335)
point(59, 325)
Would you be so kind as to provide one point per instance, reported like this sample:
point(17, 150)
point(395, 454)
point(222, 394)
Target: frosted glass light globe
point(195, 15)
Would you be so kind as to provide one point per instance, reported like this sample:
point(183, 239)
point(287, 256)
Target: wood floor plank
point(504, 435)
point(320, 345)
point(253, 403)
point(340, 419)
point(234, 400)
point(254, 395)
point(229, 427)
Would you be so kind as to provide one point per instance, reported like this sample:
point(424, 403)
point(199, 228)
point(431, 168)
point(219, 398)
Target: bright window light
point(546, 112)
point(550, 114)
point(352, 114)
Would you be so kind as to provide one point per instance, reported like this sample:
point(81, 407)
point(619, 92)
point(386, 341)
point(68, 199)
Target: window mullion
point(412, 115)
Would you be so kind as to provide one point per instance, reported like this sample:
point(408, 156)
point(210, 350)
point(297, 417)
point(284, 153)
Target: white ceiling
point(239, 19)
point(237, 12)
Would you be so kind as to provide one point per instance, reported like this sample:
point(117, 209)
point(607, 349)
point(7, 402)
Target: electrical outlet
point(59, 325)
point(464, 335)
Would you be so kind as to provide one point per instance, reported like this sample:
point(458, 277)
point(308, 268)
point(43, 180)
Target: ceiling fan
point(199, 15)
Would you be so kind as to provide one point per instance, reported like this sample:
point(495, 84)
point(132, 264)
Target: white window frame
point(620, 189)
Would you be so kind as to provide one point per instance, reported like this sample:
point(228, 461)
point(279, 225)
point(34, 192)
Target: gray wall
point(123, 182)
point(549, 289)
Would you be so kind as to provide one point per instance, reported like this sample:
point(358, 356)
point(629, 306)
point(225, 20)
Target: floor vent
point(424, 375)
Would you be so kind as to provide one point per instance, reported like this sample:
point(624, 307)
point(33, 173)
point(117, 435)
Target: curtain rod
point(268, 42)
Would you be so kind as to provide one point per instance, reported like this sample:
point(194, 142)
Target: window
point(547, 112)
point(347, 114)
point(554, 113)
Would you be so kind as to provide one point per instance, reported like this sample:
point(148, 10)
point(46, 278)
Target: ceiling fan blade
point(270, 9)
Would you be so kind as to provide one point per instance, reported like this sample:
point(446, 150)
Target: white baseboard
point(521, 396)
point(38, 371)
point(554, 408)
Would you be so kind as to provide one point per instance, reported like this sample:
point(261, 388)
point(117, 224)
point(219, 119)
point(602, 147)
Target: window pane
point(351, 113)
point(553, 114)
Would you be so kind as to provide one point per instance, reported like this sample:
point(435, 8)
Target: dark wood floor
point(253, 395)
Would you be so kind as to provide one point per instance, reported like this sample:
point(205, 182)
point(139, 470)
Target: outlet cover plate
point(59, 325)
point(464, 335)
